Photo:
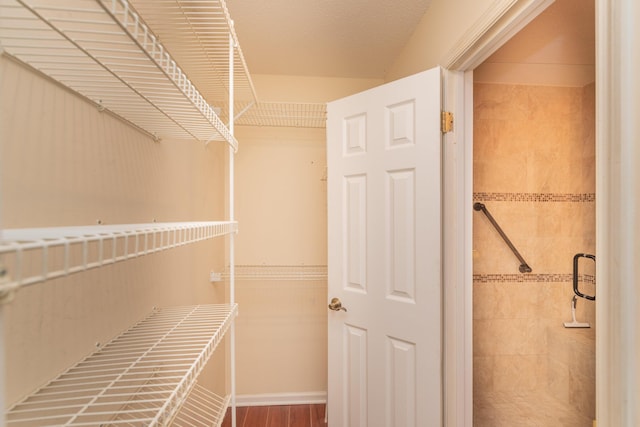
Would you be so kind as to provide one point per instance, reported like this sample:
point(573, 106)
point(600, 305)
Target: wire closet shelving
point(203, 28)
point(106, 52)
point(61, 251)
point(140, 378)
point(103, 50)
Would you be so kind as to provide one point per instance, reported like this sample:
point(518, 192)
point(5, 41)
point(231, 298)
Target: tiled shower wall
point(534, 169)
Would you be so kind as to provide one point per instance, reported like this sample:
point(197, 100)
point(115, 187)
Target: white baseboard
point(273, 399)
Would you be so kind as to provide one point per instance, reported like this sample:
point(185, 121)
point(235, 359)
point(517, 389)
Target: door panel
point(401, 254)
point(384, 218)
point(355, 379)
point(356, 235)
point(402, 382)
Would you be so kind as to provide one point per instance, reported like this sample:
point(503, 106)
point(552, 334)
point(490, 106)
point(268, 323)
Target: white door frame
point(617, 212)
point(494, 28)
point(617, 206)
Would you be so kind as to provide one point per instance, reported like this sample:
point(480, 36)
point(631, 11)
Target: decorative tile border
point(532, 278)
point(534, 197)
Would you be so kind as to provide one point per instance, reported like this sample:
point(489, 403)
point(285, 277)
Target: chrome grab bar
point(524, 267)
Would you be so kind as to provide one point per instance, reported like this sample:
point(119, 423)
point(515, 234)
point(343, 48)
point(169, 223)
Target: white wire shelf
point(197, 33)
point(202, 408)
point(103, 50)
point(278, 272)
point(286, 114)
point(33, 255)
point(140, 378)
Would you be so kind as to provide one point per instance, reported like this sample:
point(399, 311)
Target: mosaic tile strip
point(534, 197)
point(532, 278)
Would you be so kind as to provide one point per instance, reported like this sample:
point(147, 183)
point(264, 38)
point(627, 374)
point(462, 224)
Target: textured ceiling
point(331, 38)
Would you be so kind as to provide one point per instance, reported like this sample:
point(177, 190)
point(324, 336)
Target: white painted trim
point(503, 20)
point(274, 399)
point(617, 213)
point(467, 296)
point(458, 397)
point(497, 25)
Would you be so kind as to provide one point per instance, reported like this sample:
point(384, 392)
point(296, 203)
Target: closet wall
point(63, 162)
point(281, 210)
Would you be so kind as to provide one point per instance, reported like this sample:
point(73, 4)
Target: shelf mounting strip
point(140, 378)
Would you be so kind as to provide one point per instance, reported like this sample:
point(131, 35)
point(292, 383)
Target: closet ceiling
point(331, 38)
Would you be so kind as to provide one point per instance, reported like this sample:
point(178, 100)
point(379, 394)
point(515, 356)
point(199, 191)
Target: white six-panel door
point(384, 221)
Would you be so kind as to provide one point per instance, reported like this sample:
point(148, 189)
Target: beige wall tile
point(483, 369)
point(533, 140)
point(509, 336)
point(520, 372)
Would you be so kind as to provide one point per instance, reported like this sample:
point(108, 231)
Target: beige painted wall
point(281, 196)
point(281, 206)
point(285, 88)
point(62, 162)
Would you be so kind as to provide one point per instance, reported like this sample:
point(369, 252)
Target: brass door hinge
point(446, 125)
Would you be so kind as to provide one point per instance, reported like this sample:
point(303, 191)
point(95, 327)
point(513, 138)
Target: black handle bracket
point(576, 290)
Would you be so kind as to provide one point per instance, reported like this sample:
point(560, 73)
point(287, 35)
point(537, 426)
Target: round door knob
point(336, 305)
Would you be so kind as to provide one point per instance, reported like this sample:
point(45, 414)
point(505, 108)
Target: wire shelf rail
point(140, 378)
point(202, 408)
point(103, 50)
point(279, 272)
point(34, 255)
point(287, 114)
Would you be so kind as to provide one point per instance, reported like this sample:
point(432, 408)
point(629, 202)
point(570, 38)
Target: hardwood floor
point(278, 416)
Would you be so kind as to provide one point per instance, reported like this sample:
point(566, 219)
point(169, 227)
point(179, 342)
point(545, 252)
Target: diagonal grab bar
point(524, 267)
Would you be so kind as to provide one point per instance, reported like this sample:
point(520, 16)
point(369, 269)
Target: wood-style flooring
point(278, 416)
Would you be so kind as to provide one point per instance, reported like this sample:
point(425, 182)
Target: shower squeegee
point(574, 323)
